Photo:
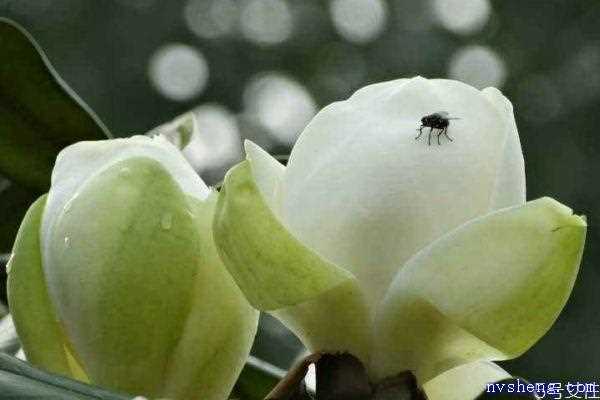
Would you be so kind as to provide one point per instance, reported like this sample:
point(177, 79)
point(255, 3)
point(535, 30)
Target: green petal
point(33, 314)
point(130, 272)
point(464, 382)
point(336, 320)
point(179, 131)
point(273, 269)
point(488, 290)
point(220, 329)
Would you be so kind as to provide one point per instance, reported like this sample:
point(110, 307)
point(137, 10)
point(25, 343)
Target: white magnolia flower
point(409, 256)
point(115, 278)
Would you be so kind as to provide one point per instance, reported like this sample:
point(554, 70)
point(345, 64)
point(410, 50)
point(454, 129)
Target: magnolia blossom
point(115, 278)
point(407, 255)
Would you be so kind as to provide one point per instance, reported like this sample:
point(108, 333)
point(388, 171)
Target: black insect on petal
point(437, 121)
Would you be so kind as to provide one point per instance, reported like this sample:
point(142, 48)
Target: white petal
point(464, 382)
point(365, 194)
point(324, 307)
point(267, 172)
point(82, 161)
point(487, 290)
point(335, 322)
point(509, 189)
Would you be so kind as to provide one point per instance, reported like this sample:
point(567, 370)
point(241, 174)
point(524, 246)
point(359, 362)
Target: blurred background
point(260, 69)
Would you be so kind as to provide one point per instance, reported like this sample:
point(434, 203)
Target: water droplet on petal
point(125, 172)
point(67, 242)
point(166, 221)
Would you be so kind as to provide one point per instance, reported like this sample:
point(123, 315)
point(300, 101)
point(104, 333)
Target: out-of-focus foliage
point(39, 115)
point(259, 69)
point(256, 380)
point(19, 380)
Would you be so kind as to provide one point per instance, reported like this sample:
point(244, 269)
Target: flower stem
point(344, 377)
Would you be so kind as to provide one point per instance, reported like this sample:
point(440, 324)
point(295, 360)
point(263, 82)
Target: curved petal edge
point(487, 290)
point(273, 269)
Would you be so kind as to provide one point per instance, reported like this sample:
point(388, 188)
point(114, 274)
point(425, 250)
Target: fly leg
point(420, 129)
point(445, 131)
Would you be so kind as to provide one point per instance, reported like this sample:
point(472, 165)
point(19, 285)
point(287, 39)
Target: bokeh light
point(179, 72)
point(280, 104)
point(211, 19)
point(215, 145)
point(478, 66)
point(580, 78)
point(359, 21)
point(266, 22)
point(462, 16)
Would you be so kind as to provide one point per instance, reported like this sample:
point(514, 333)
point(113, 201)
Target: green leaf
point(19, 380)
point(257, 379)
point(14, 202)
point(39, 113)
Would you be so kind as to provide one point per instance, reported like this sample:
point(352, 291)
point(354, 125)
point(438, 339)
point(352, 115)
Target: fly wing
point(445, 115)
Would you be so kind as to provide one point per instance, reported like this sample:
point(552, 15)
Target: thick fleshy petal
point(509, 189)
point(33, 314)
point(128, 278)
point(464, 382)
point(317, 300)
point(267, 173)
point(82, 161)
point(361, 191)
point(337, 321)
point(488, 290)
point(179, 131)
point(219, 330)
point(273, 269)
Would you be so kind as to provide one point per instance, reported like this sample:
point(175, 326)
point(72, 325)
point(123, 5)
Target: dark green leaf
point(19, 380)
point(256, 380)
point(18, 387)
point(39, 114)
point(14, 202)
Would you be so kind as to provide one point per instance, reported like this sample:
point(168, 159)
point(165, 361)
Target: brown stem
point(403, 386)
point(291, 387)
point(344, 377)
